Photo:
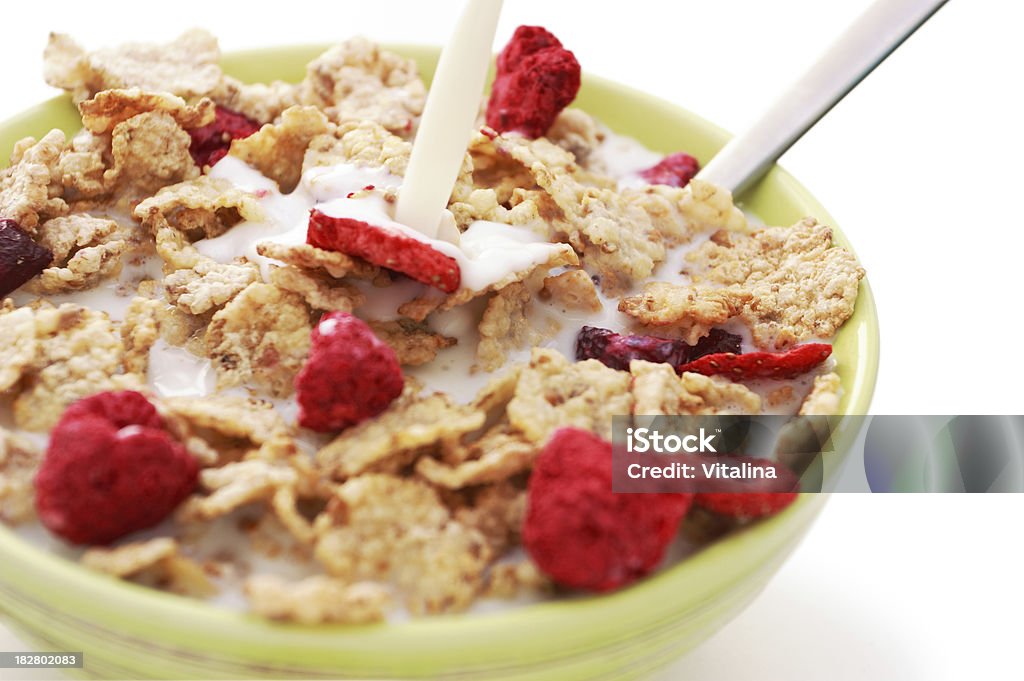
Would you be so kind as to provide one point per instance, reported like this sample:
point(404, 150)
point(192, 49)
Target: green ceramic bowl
point(128, 631)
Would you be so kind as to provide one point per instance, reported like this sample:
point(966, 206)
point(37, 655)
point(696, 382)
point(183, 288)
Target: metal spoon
point(864, 45)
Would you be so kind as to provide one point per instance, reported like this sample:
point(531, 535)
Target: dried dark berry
point(617, 351)
point(675, 170)
point(20, 257)
point(211, 142)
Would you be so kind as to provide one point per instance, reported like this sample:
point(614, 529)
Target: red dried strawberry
point(211, 142)
point(385, 247)
point(350, 376)
point(617, 351)
point(749, 497)
point(582, 534)
point(21, 258)
point(675, 170)
point(110, 470)
point(752, 365)
point(536, 79)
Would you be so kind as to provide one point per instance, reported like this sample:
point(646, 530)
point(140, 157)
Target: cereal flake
point(694, 311)
point(19, 461)
point(658, 391)
point(262, 335)
point(553, 392)
point(802, 287)
point(317, 600)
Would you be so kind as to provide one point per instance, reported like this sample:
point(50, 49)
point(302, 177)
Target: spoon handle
point(866, 43)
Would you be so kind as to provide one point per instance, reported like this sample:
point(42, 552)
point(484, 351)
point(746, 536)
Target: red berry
point(749, 497)
point(21, 258)
point(536, 79)
point(675, 170)
point(211, 142)
point(350, 376)
point(579, 532)
point(617, 351)
point(753, 365)
point(385, 247)
point(525, 41)
point(121, 409)
point(110, 470)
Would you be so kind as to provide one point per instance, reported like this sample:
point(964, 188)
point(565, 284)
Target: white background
point(921, 166)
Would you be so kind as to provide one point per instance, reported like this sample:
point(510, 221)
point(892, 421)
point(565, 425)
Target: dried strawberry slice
point(211, 142)
point(675, 170)
point(617, 351)
point(791, 364)
point(386, 248)
point(21, 258)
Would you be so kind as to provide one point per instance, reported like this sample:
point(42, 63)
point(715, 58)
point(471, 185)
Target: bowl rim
point(473, 638)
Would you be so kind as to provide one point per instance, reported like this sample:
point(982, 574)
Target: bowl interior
point(568, 627)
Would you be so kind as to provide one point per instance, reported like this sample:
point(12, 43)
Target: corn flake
point(78, 353)
point(156, 563)
point(658, 391)
point(573, 289)
point(505, 326)
point(317, 600)
point(187, 66)
point(414, 343)
point(824, 397)
point(320, 291)
point(680, 214)
point(410, 424)
point(19, 461)
point(18, 345)
point(261, 102)
point(553, 392)
point(337, 265)
point(107, 109)
point(693, 311)
point(25, 186)
point(277, 149)
point(150, 151)
point(209, 285)
point(139, 332)
point(234, 485)
point(86, 250)
point(497, 456)
point(801, 286)
point(357, 80)
point(262, 335)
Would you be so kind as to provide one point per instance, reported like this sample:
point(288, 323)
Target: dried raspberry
point(121, 409)
point(790, 364)
point(579, 532)
point(350, 376)
point(110, 470)
point(525, 41)
point(536, 79)
point(749, 497)
point(21, 258)
point(675, 170)
point(385, 247)
point(617, 351)
point(211, 142)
